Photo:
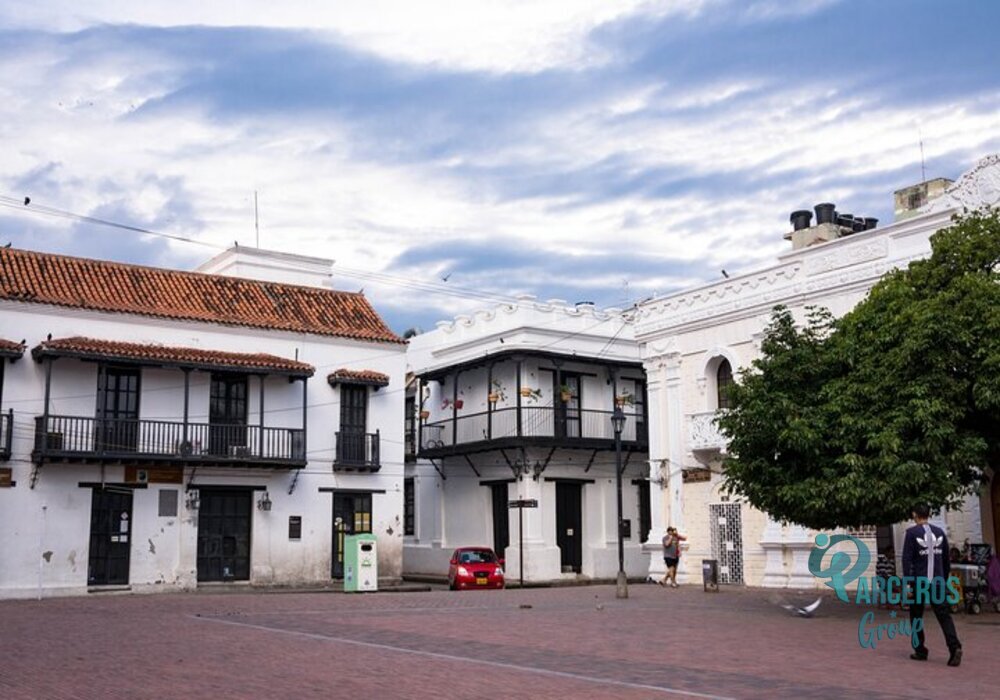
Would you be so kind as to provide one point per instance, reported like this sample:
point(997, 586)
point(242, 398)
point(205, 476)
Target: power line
point(25, 205)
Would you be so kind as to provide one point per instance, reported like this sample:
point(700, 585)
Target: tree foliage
point(852, 421)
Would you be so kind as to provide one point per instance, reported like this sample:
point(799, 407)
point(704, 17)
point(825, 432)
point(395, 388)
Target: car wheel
point(975, 608)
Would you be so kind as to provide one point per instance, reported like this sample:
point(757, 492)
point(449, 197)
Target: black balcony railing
point(6, 433)
point(357, 451)
point(60, 437)
point(554, 425)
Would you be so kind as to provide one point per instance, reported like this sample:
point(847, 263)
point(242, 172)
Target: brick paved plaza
point(570, 642)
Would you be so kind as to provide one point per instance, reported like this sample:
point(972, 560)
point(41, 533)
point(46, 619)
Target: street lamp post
point(618, 422)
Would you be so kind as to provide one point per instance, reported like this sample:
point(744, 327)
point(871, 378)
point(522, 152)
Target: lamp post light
point(618, 423)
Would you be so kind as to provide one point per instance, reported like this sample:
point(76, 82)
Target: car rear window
point(477, 556)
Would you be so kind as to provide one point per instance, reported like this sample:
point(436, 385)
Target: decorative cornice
point(976, 189)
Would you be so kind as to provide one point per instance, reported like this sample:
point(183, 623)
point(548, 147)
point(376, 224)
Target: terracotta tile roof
point(359, 376)
point(8, 348)
point(99, 285)
point(196, 358)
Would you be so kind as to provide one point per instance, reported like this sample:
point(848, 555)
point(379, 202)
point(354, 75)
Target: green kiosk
point(360, 563)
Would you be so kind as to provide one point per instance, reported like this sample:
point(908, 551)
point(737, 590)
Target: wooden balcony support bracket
point(628, 456)
point(36, 469)
point(514, 470)
point(438, 469)
point(540, 467)
point(190, 482)
point(295, 481)
point(590, 462)
point(471, 465)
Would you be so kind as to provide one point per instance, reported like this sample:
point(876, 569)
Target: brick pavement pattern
point(571, 642)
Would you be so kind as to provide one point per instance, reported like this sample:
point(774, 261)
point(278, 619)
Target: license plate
point(482, 581)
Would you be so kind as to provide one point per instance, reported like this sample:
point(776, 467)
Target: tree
point(852, 421)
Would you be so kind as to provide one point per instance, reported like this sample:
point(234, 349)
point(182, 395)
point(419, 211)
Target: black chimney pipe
point(801, 219)
point(824, 213)
point(870, 223)
point(859, 224)
point(846, 220)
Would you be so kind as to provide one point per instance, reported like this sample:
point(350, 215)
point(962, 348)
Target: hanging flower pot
point(459, 403)
point(526, 391)
point(493, 398)
point(425, 414)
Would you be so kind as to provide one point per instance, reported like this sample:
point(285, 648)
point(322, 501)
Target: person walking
point(671, 555)
point(925, 555)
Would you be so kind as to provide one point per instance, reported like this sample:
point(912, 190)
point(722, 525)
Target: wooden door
point(224, 522)
point(352, 515)
point(569, 525)
point(110, 537)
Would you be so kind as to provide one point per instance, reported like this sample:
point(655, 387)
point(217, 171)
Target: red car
point(475, 567)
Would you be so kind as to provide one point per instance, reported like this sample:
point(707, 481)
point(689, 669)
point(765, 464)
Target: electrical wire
point(355, 273)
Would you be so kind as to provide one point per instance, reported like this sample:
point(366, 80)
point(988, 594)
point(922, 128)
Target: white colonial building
point(695, 342)
point(165, 430)
point(515, 403)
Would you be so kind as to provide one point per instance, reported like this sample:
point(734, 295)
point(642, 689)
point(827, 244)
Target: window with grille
point(723, 383)
point(409, 507)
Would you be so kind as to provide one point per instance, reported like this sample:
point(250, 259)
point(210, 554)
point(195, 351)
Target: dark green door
point(352, 514)
point(224, 534)
point(110, 537)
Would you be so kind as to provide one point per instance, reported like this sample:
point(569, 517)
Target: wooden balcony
point(357, 452)
point(547, 426)
point(85, 439)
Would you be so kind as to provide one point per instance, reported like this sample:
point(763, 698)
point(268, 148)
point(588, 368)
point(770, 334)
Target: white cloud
point(493, 35)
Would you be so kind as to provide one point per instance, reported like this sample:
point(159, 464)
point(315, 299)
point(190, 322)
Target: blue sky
point(576, 149)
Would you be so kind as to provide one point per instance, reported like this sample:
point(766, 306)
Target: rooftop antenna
point(256, 218)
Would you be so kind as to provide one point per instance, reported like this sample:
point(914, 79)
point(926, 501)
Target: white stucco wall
point(44, 531)
point(682, 333)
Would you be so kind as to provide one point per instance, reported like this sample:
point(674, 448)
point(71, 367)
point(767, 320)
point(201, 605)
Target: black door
point(110, 537)
point(224, 534)
point(645, 510)
point(227, 415)
point(569, 525)
point(501, 518)
point(353, 424)
point(352, 515)
point(567, 405)
point(117, 409)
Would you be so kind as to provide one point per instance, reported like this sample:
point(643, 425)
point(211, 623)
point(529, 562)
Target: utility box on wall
point(360, 563)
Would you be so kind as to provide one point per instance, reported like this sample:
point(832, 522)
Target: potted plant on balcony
point(624, 399)
point(566, 393)
point(529, 393)
point(424, 414)
point(457, 403)
point(497, 392)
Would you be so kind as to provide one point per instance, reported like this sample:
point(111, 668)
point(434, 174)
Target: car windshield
point(477, 556)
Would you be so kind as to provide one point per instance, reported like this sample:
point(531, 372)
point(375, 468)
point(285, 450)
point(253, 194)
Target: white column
point(800, 542)
point(774, 560)
point(659, 468)
point(675, 447)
